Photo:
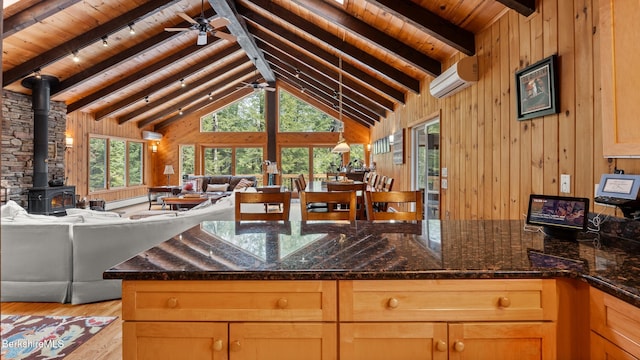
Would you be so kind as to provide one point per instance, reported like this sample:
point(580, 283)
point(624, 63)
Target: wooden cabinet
point(620, 51)
point(229, 320)
point(615, 327)
point(448, 319)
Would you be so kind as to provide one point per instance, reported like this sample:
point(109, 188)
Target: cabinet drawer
point(616, 320)
point(229, 300)
point(448, 300)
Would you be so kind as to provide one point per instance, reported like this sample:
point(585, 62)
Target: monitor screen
point(620, 186)
point(558, 212)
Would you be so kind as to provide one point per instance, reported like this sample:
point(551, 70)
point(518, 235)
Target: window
point(294, 161)
point(115, 163)
point(298, 116)
point(249, 162)
point(187, 159)
point(243, 115)
point(97, 164)
point(135, 164)
point(324, 161)
point(357, 155)
point(217, 161)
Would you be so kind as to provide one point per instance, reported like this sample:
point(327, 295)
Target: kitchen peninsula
point(450, 289)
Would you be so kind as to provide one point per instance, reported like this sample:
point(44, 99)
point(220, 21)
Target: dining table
point(323, 186)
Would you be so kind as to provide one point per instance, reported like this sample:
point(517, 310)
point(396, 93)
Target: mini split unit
point(150, 135)
point(460, 76)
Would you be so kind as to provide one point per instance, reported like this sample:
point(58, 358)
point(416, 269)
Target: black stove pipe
point(40, 95)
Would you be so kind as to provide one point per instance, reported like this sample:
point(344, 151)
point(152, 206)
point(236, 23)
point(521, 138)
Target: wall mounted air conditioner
point(150, 135)
point(461, 75)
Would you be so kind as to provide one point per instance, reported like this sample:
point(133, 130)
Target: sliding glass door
point(426, 165)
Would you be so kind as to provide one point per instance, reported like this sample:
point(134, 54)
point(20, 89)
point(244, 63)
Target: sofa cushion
point(217, 187)
point(235, 180)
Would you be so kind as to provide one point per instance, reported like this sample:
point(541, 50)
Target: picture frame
point(537, 89)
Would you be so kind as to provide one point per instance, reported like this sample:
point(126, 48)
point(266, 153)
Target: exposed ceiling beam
point(329, 101)
point(524, 7)
point(223, 98)
point(357, 55)
point(81, 41)
point(432, 24)
point(121, 57)
point(326, 79)
point(288, 50)
point(138, 75)
point(171, 79)
point(195, 97)
point(378, 38)
point(33, 14)
point(238, 28)
point(181, 91)
point(321, 90)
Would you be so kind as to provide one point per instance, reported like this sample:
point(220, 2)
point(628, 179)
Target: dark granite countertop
point(226, 250)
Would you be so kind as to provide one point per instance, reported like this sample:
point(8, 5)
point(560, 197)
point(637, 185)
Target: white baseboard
point(125, 202)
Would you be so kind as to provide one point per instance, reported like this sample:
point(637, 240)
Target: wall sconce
point(68, 142)
point(154, 147)
point(368, 147)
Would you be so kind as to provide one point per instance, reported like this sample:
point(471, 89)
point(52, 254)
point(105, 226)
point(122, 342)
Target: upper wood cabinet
point(620, 55)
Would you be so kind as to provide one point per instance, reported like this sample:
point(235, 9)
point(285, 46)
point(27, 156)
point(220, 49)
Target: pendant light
point(342, 146)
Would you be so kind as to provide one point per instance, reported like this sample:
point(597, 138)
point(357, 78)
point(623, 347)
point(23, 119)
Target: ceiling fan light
point(202, 38)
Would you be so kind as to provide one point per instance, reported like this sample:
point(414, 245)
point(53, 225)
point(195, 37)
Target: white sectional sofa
point(61, 259)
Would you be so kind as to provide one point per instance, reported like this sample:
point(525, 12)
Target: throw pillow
point(217, 187)
point(244, 183)
point(188, 186)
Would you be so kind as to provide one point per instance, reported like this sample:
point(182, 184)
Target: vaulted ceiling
point(130, 68)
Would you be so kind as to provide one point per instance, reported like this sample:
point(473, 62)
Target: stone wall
point(17, 144)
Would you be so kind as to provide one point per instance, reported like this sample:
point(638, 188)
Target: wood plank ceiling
point(133, 70)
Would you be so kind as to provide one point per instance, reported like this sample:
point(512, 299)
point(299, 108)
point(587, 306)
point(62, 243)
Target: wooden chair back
point(281, 199)
point(333, 199)
point(400, 197)
point(388, 184)
point(303, 182)
point(373, 178)
point(380, 183)
point(358, 188)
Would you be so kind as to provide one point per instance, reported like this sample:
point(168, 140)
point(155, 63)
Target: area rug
point(47, 337)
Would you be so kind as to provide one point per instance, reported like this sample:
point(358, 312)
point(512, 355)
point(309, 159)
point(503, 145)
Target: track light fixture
point(75, 56)
point(182, 83)
point(210, 96)
point(105, 43)
point(132, 31)
point(146, 99)
point(37, 73)
point(180, 112)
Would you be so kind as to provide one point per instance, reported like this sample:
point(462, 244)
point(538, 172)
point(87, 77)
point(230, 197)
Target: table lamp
point(168, 170)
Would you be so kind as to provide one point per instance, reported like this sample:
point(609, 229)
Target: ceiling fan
point(257, 86)
point(203, 26)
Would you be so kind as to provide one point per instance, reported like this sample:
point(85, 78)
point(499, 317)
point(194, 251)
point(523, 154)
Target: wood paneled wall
point(80, 126)
point(495, 161)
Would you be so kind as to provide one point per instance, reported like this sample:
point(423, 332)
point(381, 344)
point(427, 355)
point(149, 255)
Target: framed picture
point(537, 89)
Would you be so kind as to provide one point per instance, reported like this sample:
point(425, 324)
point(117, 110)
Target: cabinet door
point(496, 341)
point(620, 51)
point(177, 340)
point(282, 341)
point(602, 348)
point(398, 341)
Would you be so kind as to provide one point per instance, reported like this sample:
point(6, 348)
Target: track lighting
point(182, 83)
point(75, 56)
point(37, 74)
point(146, 99)
point(210, 96)
point(132, 31)
point(105, 43)
point(180, 112)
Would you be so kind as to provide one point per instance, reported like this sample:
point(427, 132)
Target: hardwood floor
point(106, 345)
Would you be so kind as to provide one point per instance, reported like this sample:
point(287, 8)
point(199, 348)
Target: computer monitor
point(560, 216)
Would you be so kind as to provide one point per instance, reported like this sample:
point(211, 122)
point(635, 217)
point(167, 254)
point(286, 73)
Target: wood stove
point(52, 200)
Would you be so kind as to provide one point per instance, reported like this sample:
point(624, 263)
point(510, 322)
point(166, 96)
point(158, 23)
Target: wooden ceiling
point(380, 49)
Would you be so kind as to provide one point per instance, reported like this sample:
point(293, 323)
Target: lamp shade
point(342, 147)
point(168, 170)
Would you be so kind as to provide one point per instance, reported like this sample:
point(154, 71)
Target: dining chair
point(380, 182)
point(303, 182)
point(388, 184)
point(401, 197)
point(359, 188)
point(333, 211)
point(373, 178)
point(281, 199)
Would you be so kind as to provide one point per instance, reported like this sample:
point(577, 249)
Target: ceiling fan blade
point(176, 29)
point(187, 17)
point(219, 22)
point(224, 36)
